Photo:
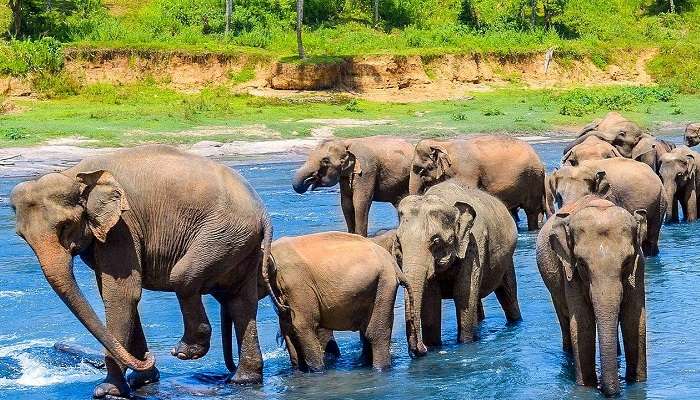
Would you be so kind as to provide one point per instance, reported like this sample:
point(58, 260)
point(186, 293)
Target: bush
point(580, 102)
point(678, 66)
point(55, 85)
point(18, 58)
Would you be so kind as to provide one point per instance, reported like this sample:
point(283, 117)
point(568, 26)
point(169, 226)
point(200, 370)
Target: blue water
point(522, 361)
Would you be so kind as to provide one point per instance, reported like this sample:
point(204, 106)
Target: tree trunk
point(16, 7)
point(300, 22)
point(533, 13)
point(229, 10)
point(673, 6)
point(375, 19)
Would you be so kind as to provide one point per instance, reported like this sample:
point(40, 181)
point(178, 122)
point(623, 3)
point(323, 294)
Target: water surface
point(523, 361)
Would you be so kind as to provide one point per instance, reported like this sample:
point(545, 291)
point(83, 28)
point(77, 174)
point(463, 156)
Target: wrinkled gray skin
point(338, 281)
point(592, 148)
point(590, 259)
point(368, 169)
point(155, 218)
point(614, 129)
point(505, 167)
point(456, 243)
point(627, 183)
point(692, 134)
point(678, 173)
point(649, 150)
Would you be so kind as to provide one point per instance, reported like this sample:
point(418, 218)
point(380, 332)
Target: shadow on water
point(521, 360)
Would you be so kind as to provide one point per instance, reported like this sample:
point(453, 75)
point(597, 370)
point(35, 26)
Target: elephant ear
point(104, 201)
point(640, 217)
point(351, 161)
point(590, 127)
point(442, 161)
point(643, 147)
point(569, 157)
point(691, 166)
point(601, 186)
point(465, 222)
point(562, 243)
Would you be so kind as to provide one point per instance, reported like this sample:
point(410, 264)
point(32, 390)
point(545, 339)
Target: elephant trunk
point(415, 184)
point(606, 306)
point(416, 276)
point(227, 337)
point(57, 265)
point(670, 188)
point(413, 331)
point(304, 178)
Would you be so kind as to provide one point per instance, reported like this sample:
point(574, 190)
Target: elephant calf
point(678, 172)
point(503, 166)
point(592, 148)
point(590, 258)
point(368, 169)
point(627, 183)
point(456, 243)
point(340, 282)
point(692, 134)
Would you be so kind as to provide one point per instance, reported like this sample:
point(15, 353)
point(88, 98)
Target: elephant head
point(431, 165)
point(596, 268)
point(692, 134)
point(431, 236)
point(325, 165)
point(568, 184)
point(59, 217)
point(678, 170)
point(592, 148)
point(616, 130)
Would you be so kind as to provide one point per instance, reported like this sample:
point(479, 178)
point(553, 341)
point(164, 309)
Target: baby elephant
point(341, 282)
point(590, 258)
point(457, 243)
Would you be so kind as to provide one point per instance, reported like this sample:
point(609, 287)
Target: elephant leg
point(431, 315)
point(362, 201)
point(243, 308)
point(533, 218)
point(347, 206)
point(564, 323)
point(366, 348)
point(634, 330)
point(328, 342)
point(507, 294)
point(139, 348)
point(195, 342)
point(305, 332)
point(582, 328)
point(480, 311)
point(381, 322)
point(289, 341)
point(121, 298)
point(674, 210)
point(690, 211)
point(516, 216)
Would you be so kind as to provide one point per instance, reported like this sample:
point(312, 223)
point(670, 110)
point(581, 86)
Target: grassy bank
point(107, 115)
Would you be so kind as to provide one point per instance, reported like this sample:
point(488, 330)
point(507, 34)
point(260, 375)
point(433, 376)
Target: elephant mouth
point(311, 182)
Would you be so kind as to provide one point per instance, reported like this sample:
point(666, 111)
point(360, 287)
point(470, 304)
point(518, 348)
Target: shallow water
point(521, 361)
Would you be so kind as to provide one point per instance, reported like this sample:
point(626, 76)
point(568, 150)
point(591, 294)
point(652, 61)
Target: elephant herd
point(153, 217)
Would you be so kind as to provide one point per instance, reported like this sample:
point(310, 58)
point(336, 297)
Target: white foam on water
point(276, 353)
point(11, 293)
point(35, 373)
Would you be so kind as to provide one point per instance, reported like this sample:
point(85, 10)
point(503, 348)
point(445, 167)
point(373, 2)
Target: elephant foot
point(136, 379)
point(185, 351)
point(245, 378)
point(109, 388)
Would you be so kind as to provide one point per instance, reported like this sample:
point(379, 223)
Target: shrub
point(18, 58)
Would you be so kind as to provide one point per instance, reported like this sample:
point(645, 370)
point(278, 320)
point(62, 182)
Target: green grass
point(132, 114)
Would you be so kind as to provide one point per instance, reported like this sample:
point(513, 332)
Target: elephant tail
point(266, 248)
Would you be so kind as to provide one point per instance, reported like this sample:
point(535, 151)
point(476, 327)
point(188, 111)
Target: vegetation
point(109, 115)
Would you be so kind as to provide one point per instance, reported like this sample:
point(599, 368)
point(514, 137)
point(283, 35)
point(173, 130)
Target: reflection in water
point(523, 360)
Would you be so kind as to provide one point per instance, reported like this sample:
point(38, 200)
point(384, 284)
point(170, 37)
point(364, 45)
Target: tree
point(673, 6)
point(300, 22)
point(229, 10)
point(16, 7)
point(375, 18)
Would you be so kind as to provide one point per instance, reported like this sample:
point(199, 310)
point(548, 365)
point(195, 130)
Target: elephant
point(614, 129)
point(591, 262)
point(505, 167)
point(150, 217)
point(649, 150)
point(592, 148)
point(692, 134)
point(368, 169)
point(456, 243)
point(338, 281)
point(678, 173)
point(627, 183)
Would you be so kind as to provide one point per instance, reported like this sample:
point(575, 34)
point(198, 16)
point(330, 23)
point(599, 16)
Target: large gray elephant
point(592, 148)
point(156, 218)
point(368, 169)
point(590, 258)
point(649, 151)
point(338, 282)
point(627, 183)
point(678, 172)
point(456, 243)
point(505, 167)
point(614, 129)
point(692, 134)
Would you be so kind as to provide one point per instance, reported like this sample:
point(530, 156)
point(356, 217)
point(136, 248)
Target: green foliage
point(581, 102)
point(678, 66)
point(492, 112)
point(55, 85)
point(247, 73)
point(14, 134)
point(62, 19)
point(18, 58)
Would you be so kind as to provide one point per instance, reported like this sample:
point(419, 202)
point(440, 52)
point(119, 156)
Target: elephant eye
point(325, 161)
